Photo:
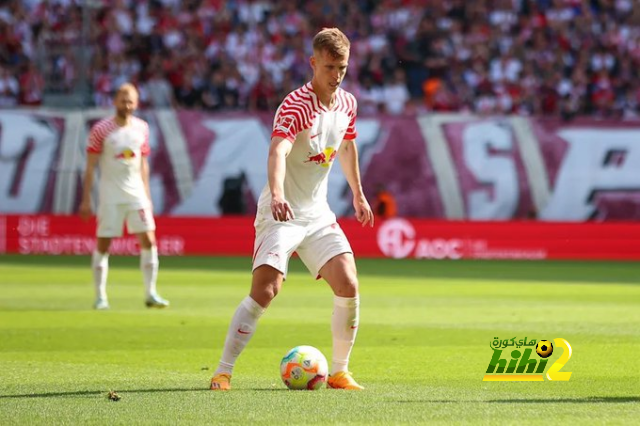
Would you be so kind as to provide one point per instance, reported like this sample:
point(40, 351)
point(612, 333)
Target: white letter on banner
point(590, 166)
point(24, 172)
point(500, 172)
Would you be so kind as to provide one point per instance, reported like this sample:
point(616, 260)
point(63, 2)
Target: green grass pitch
point(422, 348)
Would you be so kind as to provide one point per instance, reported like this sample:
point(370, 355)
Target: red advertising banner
point(394, 238)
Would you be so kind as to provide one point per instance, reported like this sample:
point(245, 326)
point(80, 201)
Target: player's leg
point(266, 284)
point(140, 222)
point(275, 242)
point(149, 265)
point(100, 269)
point(110, 219)
point(340, 273)
point(327, 254)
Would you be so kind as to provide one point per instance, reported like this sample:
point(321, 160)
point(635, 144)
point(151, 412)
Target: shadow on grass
point(123, 393)
point(97, 393)
point(583, 400)
point(524, 270)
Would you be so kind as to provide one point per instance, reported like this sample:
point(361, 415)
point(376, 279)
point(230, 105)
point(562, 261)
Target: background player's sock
point(149, 266)
point(100, 267)
point(243, 325)
point(344, 326)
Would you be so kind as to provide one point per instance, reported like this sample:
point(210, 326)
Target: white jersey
point(316, 133)
point(121, 150)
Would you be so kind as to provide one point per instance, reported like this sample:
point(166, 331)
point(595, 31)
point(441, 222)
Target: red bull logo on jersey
point(324, 158)
point(126, 154)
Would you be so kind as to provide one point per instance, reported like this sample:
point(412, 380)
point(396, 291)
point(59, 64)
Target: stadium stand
point(558, 58)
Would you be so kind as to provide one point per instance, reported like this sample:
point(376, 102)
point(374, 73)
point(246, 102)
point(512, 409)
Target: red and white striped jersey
point(121, 150)
point(316, 133)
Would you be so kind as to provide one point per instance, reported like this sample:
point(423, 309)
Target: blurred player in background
point(120, 146)
point(312, 125)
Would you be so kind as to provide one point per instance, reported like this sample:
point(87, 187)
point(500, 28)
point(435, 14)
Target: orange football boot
point(343, 380)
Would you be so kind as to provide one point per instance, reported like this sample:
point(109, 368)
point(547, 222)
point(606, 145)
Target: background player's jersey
point(121, 150)
point(316, 133)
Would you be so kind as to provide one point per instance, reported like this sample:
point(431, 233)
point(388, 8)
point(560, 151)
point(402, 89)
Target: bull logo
point(126, 154)
point(324, 158)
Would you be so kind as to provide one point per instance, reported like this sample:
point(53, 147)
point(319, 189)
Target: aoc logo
point(525, 366)
point(398, 238)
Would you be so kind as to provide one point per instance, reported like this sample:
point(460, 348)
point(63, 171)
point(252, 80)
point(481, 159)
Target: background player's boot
point(343, 380)
point(101, 304)
point(156, 301)
point(221, 381)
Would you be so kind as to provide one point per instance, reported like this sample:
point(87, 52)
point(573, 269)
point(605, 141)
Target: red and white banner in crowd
point(394, 238)
point(449, 166)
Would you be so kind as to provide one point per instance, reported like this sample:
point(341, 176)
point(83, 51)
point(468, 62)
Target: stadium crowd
point(544, 57)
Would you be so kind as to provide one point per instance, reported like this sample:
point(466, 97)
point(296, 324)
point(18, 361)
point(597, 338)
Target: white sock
point(149, 266)
point(243, 325)
point(100, 267)
point(344, 327)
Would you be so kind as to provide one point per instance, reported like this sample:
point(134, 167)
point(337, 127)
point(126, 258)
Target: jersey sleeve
point(351, 130)
point(96, 139)
point(145, 149)
point(287, 122)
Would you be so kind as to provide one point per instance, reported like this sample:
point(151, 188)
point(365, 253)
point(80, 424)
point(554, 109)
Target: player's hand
point(363, 210)
point(85, 210)
point(281, 210)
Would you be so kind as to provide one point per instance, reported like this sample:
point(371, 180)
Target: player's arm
point(348, 157)
point(144, 171)
point(89, 173)
point(276, 170)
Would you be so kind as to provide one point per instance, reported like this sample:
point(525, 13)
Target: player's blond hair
point(126, 88)
point(333, 41)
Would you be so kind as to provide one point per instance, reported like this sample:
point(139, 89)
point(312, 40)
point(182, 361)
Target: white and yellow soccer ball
point(304, 368)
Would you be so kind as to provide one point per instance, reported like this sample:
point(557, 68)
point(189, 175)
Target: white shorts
point(315, 242)
point(111, 218)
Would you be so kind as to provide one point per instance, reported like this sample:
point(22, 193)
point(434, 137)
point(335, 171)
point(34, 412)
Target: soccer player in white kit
point(119, 146)
point(313, 125)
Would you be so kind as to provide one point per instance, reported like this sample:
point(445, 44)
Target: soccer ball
point(304, 368)
point(544, 348)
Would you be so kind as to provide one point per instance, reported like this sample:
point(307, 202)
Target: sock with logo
point(344, 327)
point(243, 325)
point(149, 265)
point(100, 267)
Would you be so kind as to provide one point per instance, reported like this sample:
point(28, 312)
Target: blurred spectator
point(159, 91)
point(262, 96)
point(9, 89)
point(31, 86)
point(384, 205)
point(371, 97)
point(187, 95)
point(232, 201)
point(561, 58)
point(395, 93)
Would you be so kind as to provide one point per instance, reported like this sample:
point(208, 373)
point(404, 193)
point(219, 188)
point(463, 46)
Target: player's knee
point(271, 290)
point(348, 286)
point(264, 293)
point(147, 240)
point(103, 244)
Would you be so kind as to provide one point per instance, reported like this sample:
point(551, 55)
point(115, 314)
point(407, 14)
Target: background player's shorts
point(111, 218)
point(315, 242)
